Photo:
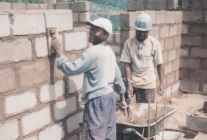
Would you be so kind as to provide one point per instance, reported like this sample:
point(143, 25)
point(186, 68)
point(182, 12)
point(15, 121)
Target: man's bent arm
point(128, 79)
point(81, 65)
point(128, 73)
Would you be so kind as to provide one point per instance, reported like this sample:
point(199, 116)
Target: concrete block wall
point(37, 101)
point(114, 42)
point(80, 10)
point(137, 5)
point(166, 28)
point(22, 6)
point(193, 62)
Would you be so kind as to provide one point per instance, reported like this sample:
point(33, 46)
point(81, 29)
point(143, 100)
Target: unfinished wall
point(80, 10)
point(137, 5)
point(167, 29)
point(38, 102)
point(193, 66)
point(22, 6)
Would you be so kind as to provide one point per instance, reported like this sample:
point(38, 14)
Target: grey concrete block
point(43, 6)
point(5, 6)
point(33, 7)
point(188, 85)
point(18, 6)
point(135, 5)
point(78, 7)
point(156, 4)
point(197, 123)
point(172, 4)
point(62, 5)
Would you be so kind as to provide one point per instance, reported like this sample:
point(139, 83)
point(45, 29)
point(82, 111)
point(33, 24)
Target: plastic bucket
point(170, 135)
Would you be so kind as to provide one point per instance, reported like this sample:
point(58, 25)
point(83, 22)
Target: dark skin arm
point(129, 89)
point(160, 70)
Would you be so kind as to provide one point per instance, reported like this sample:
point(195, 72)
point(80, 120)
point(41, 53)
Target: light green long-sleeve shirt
point(98, 63)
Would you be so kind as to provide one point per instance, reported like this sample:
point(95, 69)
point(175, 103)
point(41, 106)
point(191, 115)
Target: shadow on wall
point(66, 111)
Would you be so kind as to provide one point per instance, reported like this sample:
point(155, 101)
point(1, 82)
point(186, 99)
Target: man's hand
point(57, 46)
point(129, 91)
point(123, 104)
point(160, 89)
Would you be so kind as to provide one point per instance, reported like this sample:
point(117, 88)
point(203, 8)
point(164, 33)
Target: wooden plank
point(196, 124)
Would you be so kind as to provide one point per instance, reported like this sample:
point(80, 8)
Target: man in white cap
point(141, 55)
point(98, 63)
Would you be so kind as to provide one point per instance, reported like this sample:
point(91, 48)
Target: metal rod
point(149, 118)
point(156, 122)
point(164, 117)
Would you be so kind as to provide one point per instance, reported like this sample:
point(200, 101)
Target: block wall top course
point(33, 7)
point(62, 5)
point(5, 6)
point(189, 16)
point(19, 6)
point(23, 22)
point(83, 6)
point(57, 12)
point(53, 19)
point(194, 5)
point(135, 5)
point(127, 19)
point(156, 5)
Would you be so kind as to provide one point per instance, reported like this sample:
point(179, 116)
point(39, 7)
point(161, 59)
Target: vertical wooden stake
point(149, 118)
point(156, 122)
point(164, 117)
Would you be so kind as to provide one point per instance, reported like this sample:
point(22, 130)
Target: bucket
point(170, 135)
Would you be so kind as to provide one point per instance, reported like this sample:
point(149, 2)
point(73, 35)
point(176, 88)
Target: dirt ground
point(187, 104)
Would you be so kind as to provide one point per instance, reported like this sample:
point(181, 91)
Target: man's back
point(101, 75)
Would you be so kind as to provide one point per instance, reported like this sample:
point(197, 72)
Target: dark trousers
point(142, 95)
point(99, 119)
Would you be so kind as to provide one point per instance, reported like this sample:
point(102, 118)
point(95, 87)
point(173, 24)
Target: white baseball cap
point(102, 23)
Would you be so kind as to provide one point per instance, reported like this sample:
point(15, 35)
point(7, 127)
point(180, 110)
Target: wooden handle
point(149, 118)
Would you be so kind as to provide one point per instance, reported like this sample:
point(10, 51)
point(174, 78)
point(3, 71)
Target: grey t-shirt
point(98, 63)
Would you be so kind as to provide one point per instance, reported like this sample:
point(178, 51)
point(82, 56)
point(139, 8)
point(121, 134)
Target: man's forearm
point(59, 53)
point(160, 70)
point(122, 97)
point(128, 73)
